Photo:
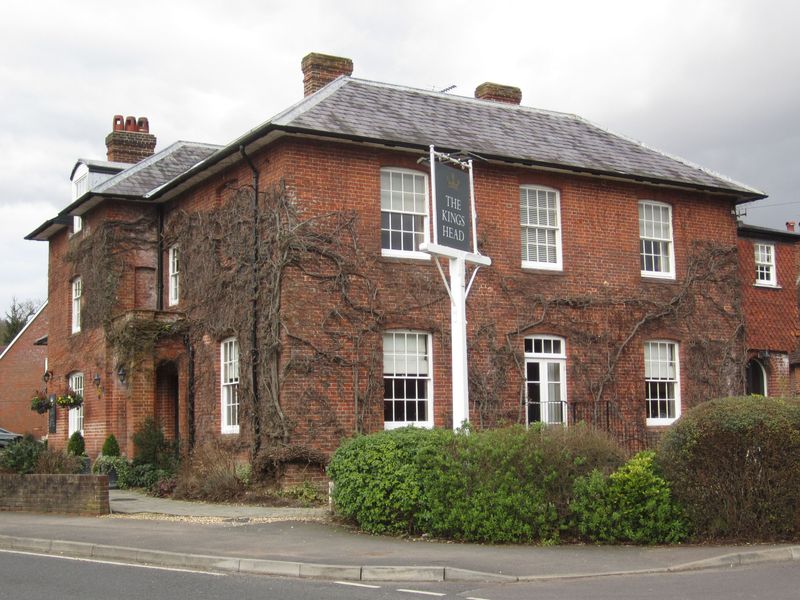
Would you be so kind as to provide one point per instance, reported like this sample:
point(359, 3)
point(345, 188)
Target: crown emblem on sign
point(453, 182)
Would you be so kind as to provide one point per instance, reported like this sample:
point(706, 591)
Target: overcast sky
point(716, 82)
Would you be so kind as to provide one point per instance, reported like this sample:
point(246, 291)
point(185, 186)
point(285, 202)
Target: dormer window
point(80, 186)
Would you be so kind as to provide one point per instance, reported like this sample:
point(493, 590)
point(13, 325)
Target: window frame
point(544, 359)
point(670, 241)
point(229, 387)
point(676, 385)
point(535, 264)
point(76, 286)
point(428, 379)
point(426, 236)
point(75, 419)
point(173, 276)
point(771, 264)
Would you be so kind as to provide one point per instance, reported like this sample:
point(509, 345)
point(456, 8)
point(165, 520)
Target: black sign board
point(453, 208)
point(51, 417)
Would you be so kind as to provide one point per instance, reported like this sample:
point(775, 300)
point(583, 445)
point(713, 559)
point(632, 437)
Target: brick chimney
point(498, 93)
point(320, 69)
point(790, 225)
point(130, 140)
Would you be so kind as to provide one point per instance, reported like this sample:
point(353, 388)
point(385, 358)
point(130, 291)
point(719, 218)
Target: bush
point(105, 463)
point(58, 461)
point(211, 473)
point(504, 485)
point(110, 446)
point(21, 457)
point(151, 447)
point(76, 445)
point(633, 504)
point(735, 464)
point(140, 476)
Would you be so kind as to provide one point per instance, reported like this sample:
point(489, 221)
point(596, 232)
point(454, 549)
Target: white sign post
point(455, 237)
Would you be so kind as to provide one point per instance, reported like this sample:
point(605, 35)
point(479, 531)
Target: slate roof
point(376, 111)
point(154, 171)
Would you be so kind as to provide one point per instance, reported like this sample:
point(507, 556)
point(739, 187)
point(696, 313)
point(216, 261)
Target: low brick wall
point(74, 494)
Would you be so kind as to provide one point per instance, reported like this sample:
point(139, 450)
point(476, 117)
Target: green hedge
point(633, 504)
point(503, 485)
point(735, 464)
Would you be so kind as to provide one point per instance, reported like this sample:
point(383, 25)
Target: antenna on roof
point(447, 89)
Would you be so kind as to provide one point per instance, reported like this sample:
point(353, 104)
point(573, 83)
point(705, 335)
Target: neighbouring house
point(23, 368)
point(768, 261)
point(279, 322)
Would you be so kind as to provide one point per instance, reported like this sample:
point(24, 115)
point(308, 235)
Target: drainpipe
point(254, 307)
point(160, 260)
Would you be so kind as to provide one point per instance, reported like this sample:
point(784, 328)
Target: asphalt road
point(34, 577)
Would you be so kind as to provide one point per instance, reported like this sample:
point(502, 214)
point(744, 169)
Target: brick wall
point(600, 234)
point(21, 370)
point(73, 494)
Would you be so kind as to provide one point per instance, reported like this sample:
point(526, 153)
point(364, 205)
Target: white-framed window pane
point(765, 264)
point(661, 374)
point(545, 380)
point(77, 292)
point(229, 369)
point(406, 379)
point(404, 210)
point(75, 415)
point(174, 275)
point(655, 233)
point(540, 227)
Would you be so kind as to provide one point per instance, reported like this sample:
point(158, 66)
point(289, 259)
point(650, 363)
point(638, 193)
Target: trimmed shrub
point(110, 446)
point(21, 457)
point(76, 445)
point(502, 485)
point(140, 476)
point(734, 463)
point(633, 504)
point(59, 462)
point(151, 447)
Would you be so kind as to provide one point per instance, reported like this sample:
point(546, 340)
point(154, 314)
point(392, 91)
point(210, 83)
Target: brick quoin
point(600, 245)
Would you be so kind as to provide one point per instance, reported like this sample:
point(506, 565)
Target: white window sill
point(534, 266)
point(230, 430)
point(412, 255)
point(660, 422)
point(655, 275)
point(773, 286)
point(399, 424)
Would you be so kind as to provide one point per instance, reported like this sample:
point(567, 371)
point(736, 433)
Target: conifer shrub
point(110, 446)
point(76, 446)
point(633, 504)
point(151, 446)
point(734, 463)
point(502, 485)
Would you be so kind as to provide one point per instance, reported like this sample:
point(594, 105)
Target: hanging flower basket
point(71, 399)
point(40, 403)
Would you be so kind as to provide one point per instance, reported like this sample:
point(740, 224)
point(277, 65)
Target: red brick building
point(769, 269)
point(23, 364)
point(285, 321)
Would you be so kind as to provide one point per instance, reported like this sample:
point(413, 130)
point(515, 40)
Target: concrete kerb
point(356, 573)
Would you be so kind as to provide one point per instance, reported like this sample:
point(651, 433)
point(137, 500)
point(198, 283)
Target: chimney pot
point(498, 93)
point(790, 225)
point(130, 140)
point(320, 69)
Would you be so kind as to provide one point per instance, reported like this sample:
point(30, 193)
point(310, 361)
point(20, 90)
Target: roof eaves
point(56, 224)
point(21, 331)
point(756, 232)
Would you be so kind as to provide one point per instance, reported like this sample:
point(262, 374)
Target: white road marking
point(421, 592)
point(119, 564)
point(474, 598)
point(364, 585)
